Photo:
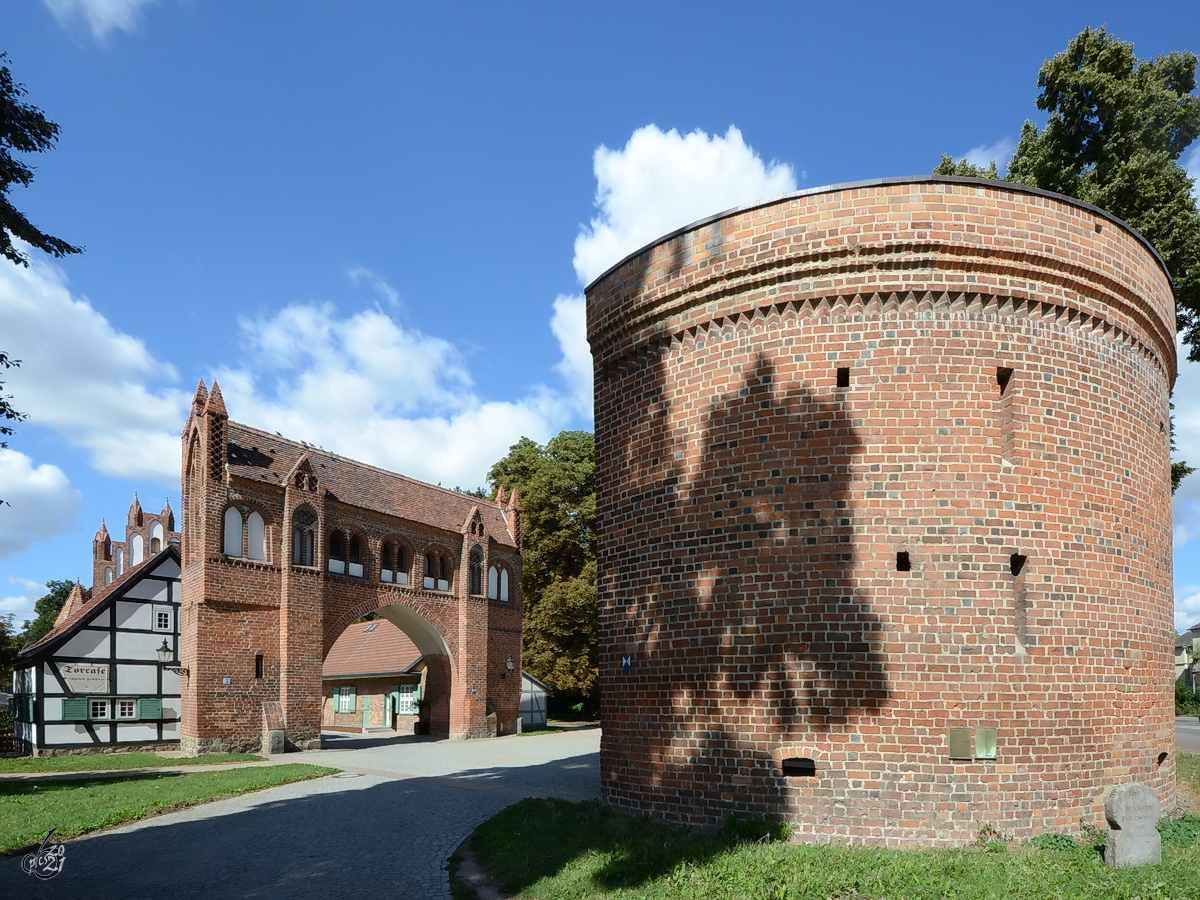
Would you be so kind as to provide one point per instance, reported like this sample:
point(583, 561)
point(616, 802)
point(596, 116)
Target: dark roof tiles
point(370, 648)
point(269, 458)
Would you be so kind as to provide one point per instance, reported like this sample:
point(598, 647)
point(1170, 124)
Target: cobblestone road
point(383, 829)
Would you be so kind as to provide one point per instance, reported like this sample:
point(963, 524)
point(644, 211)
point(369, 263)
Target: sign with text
point(85, 678)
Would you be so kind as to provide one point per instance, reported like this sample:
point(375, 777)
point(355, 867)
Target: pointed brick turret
point(215, 419)
point(512, 515)
point(201, 397)
point(168, 516)
point(135, 512)
point(73, 605)
point(216, 403)
point(102, 533)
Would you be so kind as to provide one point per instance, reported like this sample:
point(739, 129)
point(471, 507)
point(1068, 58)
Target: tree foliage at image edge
point(1115, 130)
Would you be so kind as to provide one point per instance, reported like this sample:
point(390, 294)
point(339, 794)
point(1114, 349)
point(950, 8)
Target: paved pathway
point(382, 829)
point(1187, 733)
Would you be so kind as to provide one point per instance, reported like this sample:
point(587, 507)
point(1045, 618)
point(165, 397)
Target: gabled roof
point(371, 648)
point(1185, 639)
point(269, 458)
point(79, 616)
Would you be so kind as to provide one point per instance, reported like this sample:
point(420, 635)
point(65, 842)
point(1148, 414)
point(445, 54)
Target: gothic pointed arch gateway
point(256, 631)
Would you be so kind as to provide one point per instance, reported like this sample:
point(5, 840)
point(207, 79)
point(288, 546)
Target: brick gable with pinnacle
point(324, 540)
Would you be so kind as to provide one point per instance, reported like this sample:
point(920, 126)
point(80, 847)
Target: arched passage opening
point(389, 675)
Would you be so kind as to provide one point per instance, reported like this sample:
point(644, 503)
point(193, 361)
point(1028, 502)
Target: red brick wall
point(751, 513)
point(235, 609)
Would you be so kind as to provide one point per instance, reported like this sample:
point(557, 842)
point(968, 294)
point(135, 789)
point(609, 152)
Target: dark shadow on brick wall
point(727, 577)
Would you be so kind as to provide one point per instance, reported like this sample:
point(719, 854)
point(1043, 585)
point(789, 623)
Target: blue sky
point(372, 221)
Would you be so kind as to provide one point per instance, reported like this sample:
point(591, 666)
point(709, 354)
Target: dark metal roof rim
point(880, 182)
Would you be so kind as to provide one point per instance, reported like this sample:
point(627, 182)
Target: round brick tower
point(884, 498)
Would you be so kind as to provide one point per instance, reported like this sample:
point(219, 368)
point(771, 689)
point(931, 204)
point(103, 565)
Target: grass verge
point(95, 762)
point(28, 809)
point(556, 849)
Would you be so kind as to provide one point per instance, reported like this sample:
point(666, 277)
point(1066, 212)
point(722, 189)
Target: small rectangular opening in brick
point(903, 563)
point(1003, 376)
point(258, 665)
point(799, 767)
point(843, 376)
point(1016, 563)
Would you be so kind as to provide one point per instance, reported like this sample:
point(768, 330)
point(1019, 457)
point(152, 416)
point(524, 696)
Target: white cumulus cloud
point(20, 604)
point(661, 181)
point(88, 381)
point(370, 388)
point(1001, 152)
point(39, 503)
point(101, 16)
point(569, 325)
point(1187, 606)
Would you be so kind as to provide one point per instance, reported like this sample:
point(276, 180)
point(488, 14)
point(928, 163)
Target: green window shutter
point(31, 708)
point(353, 699)
point(150, 708)
point(74, 709)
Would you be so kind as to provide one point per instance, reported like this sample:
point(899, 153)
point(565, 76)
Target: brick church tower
point(145, 535)
point(285, 545)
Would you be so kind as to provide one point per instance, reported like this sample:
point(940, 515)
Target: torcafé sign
point(85, 678)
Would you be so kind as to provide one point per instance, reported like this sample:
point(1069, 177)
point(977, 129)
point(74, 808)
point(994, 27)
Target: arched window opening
point(430, 582)
point(476, 573)
point(504, 585)
point(136, 550)
point(233, 532)
point(391, 568)
point(120, 561)
point(256, 537)
point(156, 537)
point(493, 583)
point(337, 553)
point(108, 575)
point(355, 559)
point(443, 574)
point(304, 522)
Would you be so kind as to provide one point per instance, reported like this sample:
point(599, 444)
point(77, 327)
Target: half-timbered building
point(98, 681)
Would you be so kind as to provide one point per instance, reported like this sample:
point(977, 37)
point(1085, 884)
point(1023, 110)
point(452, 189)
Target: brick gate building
point(884, 502)
point(285, 545)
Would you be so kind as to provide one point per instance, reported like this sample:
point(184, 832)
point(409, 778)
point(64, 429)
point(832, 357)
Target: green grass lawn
point(555, 849)
point(93, 762)
point(28, 809)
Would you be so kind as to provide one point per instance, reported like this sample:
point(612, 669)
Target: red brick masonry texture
point(876, 462)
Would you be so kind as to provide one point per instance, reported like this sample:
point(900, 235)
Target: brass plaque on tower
point(961, 745)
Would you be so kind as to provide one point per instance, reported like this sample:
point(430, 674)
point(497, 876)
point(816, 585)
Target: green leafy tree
point(45, 611)
point(557, 486)
point(23, 129)
point(10, 646)
point(1116, 127)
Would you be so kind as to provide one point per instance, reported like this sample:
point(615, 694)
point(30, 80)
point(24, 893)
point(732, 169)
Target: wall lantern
point(509, 664)
point(165, 656)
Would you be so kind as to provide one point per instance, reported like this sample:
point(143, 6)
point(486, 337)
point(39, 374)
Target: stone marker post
point(1132, 811)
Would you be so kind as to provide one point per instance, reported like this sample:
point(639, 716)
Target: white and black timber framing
point(95, 681)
